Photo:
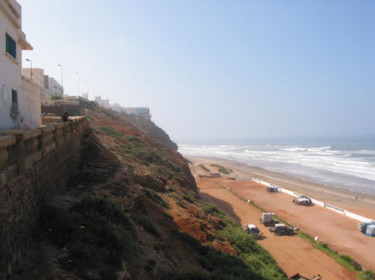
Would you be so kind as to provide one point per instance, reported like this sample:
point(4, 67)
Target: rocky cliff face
point(150, 128)
point(132, 212)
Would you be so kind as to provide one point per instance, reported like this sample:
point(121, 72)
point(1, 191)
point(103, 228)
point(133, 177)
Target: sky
point(214, 70)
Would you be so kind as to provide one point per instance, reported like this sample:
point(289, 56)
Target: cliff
point(150, 128)
point(132, 212)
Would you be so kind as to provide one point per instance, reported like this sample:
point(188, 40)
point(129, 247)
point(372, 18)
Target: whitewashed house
point(19, 96)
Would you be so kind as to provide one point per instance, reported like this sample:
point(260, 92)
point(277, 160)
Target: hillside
point(150, 128)
point(132, 212)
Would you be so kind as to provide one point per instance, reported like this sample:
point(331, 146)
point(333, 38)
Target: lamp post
point(31, 68)
point(62, 70)
point(87, 85)
point(78, 82)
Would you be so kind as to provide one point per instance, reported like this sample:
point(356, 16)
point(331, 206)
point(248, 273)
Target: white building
point(34, 74)
point(52, 87)
point(49, 85)
point(19, 96)
point(143, 112)
point(102, 102)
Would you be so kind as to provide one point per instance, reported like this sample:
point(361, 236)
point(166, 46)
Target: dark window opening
point(11, 46)
point(14, 101)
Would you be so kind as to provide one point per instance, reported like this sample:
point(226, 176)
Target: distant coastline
point(348, 167)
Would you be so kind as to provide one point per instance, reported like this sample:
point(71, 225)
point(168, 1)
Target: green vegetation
point(89, 118)
point(109, 131)
point(136, 147)
point(190, 197)
point(367, 275)
point(222, 169)
point(344, 260)
point(144, 221)
point(253, 255)
point(97, 235)
point(204, 168)
point(56, 97)
point(224, 266)
point(212, 209)
point(156, 198)
point(192, 275)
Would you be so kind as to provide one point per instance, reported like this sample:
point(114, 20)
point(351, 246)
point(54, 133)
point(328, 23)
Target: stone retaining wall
point(33, 165)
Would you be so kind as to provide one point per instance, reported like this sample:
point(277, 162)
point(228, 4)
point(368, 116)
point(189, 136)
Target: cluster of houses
point(23, 91)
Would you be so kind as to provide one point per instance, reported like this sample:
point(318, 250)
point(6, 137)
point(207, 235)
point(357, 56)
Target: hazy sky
point(217, 69)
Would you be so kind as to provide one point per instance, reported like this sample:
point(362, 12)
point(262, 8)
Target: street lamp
point(87, 86)
point(62, 70)
point(78, 82)
point(31, 68)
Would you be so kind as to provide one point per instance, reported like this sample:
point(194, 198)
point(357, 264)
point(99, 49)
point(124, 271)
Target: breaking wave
point(353, 169)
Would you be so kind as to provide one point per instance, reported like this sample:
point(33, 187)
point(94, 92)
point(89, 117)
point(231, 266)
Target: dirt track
point(293, 254)
point(338, 231)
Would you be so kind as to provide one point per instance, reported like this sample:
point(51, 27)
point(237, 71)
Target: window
point(14, 101)
point(11, 46)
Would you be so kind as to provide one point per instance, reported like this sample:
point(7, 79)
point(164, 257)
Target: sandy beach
point(293, 254)
point(364, 204)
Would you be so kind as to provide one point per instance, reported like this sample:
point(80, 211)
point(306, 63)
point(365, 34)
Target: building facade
point(102, 102)
point(49, 85)
point(34, 74)
point(52, 87)
point(19, 97)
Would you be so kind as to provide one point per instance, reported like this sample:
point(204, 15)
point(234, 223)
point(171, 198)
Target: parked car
point(281, 229)
point(368, 228)
point(273, 189)
point(253, 230)
point(268, 220)
point(302, 200)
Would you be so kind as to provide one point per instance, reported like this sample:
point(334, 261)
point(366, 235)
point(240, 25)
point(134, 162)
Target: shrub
point(109, 131)
point(222, 169)
point(249, 251)
point(212, 209)
point(89, 118)
point(97, 234)
point(204, 168)
point(56, 97)
point(145, 222)
point(192, 275)
point(224, 266)
point(367, 275)
point(156, 198)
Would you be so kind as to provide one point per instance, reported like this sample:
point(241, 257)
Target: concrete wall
point(29, 105)
point(59, 107)
point(33, 165)
point(334, 208)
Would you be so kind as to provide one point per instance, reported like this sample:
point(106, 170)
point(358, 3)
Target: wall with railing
point(34, 164)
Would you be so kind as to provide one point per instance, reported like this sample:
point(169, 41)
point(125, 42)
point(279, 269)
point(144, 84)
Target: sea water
point(348, 164)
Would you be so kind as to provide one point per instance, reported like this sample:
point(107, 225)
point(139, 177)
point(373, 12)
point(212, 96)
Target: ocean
point(343, 164)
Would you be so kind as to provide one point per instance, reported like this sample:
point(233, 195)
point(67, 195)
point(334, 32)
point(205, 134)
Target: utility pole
point(62, 70)
point(31, 68)
point(78, 82)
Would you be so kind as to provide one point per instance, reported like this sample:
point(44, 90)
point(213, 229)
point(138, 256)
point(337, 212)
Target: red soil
point(292, 253)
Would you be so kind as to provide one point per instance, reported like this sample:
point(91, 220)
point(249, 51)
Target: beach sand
point(293, 254)
point(364, 204)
